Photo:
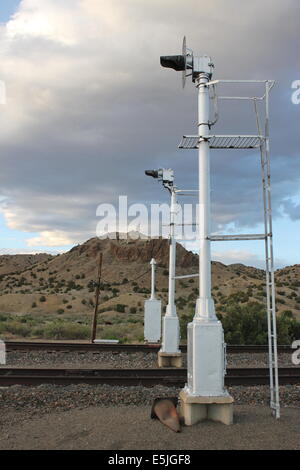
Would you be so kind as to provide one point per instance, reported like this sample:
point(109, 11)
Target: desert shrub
point(33, 305)
point(288, 314)
point(60, 311)
point(15, 328)
point(143, 290)
point(106, 309)
point(132, 309)
point(247, 324)
point(120, 308)
point(133, 320)
point(42, 298)
point(71, 285)
point(66, 330)
point(238, 297)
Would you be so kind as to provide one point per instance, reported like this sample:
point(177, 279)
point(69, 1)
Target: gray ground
point(130, 427)
point(105, 417)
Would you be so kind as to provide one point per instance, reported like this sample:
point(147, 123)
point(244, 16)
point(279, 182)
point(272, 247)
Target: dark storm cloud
point(89, 107)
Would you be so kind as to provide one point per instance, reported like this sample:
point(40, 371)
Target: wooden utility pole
point(97, 294)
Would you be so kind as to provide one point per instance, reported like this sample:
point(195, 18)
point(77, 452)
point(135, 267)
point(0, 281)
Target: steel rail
point(26, 346)
point(131, 377)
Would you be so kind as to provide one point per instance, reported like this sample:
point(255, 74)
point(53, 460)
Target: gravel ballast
point(136, 360)
point(46, 398)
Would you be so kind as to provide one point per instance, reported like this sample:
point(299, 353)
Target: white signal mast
point(170, 354)
point(204, 395)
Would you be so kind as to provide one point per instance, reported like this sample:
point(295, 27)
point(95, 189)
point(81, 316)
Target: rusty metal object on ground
point(165, 410)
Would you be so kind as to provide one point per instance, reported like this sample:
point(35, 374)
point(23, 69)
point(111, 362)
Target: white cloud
point(237, 256)
point(50, 238)
point(29, 251)
point(89, 107)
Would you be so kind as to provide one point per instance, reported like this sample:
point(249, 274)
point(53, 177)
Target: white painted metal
point(205, 309)
point(153, 265)
point(171, 307)
point(152, 312)
point(250, 236)
point(185, 276)
point(196, 191)
point(152, 320)
point(2, 352)
point(222, 141)
point(171, 332)
point(270, 281)
point(261, 141)
point(205, 333)
point(206, 359)
point(106, 341)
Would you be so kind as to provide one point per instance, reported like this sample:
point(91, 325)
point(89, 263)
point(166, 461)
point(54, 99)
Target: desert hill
point(50, 287)
point(16, 263)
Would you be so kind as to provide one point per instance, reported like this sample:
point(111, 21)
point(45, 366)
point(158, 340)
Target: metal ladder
point(260, 141)
point(269, 255)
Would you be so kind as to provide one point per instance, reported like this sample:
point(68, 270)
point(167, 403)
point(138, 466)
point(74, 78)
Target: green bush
point(66, 330)
point(247, 324)
point(121, 308)
point(15, 328)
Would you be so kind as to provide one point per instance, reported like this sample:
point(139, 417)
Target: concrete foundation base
point(194, 409)
point(169, 359)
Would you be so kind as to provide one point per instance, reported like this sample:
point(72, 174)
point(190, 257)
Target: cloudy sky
point(89, 108)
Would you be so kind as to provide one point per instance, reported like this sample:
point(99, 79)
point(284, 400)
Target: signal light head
point(153, 173)
point(176, 62)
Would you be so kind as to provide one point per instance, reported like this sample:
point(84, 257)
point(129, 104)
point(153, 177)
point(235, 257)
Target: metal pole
point(171, 309)
point(205, 306)
point(153, 264)
point(170, 354)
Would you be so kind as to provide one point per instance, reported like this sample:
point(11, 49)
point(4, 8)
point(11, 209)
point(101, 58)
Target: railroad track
point(130, 377)
point(26, 346)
